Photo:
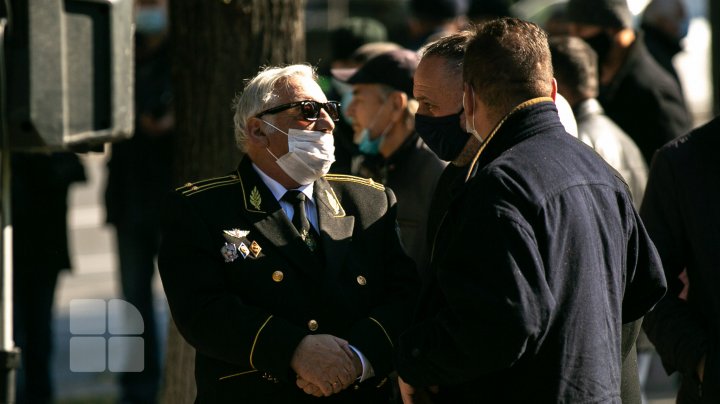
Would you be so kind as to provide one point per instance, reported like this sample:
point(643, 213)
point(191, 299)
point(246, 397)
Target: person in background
point(575, 67)
point(352, 33)
point(289, 282)
point(635, 91)
point(483, 10)
point(515, 261)
point(665, 23)
point(681, 215)
point(432, 19)
point(40, 185)
point(139, 176)
point(383, 115)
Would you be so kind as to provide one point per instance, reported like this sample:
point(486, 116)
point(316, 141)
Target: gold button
point(194, 188)
point(278, 276)
point(189, 184)
point(361, 280)
point(313, 325)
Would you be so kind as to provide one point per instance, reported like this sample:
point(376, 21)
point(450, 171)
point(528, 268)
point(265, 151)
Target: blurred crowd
point(619, 93)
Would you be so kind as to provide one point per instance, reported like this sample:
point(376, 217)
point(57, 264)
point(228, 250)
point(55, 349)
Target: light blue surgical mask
point(683, 27)
point(150, 20)
point(345, 101)
point(369, 146)
point(372, 146)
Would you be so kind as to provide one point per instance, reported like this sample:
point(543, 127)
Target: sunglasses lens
point(332, 108)
point(310, 110)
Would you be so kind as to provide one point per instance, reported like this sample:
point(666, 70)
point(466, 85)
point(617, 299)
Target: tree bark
point(217, 44)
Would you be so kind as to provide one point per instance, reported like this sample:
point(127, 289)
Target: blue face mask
point(442, 134)
point(150, 20)
point(683, 27)
point(345, 101)
point(372, 146)
point(369, 146)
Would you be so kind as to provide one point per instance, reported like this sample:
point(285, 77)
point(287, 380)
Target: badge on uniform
point(239, 245)
point(255, 249)
point(235, 236)
point(243, 250)
point(229, 252)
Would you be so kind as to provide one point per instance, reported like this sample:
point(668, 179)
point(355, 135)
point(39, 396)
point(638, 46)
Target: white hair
point(260, 92)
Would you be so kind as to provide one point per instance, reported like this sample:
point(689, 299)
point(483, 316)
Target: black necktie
point(300, 220)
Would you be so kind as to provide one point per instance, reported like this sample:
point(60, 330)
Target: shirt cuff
point(367, 369)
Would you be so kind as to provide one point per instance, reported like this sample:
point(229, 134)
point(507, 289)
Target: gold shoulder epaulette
point(359, 180)
point(192, 188)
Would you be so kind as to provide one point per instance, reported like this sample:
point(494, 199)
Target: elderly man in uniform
point(539, 257)
point(291, 284)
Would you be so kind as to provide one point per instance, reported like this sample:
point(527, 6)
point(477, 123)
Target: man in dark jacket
point(286, 280)
point(680, 210)
point(637, 94)
point(540, 258)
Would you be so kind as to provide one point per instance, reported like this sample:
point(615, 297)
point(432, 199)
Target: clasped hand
point(325, 365)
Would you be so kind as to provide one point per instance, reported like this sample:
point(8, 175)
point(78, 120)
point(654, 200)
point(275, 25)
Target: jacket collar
point(527, 119)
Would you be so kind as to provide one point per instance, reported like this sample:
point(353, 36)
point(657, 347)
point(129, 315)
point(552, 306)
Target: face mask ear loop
point(374, 120)
point(279, 130)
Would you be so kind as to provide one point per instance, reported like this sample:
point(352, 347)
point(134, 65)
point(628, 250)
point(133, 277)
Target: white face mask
point(309, 157)
point(470, 123)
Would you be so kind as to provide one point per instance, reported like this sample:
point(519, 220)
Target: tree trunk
point(217, 44)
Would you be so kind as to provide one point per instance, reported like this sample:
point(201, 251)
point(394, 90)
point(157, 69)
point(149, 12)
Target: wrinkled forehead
point(298, 88)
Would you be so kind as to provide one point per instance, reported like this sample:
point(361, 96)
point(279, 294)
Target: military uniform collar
point(278, 190)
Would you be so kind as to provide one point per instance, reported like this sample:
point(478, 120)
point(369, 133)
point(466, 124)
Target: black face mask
point(442, 134)
point(601, 44)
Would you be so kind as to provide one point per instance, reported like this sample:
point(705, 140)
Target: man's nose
point(324, 123)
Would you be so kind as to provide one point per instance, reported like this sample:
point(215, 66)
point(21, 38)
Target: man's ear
point(468, 101)
point(255, 134)
point(398, 101)
point(553, 93)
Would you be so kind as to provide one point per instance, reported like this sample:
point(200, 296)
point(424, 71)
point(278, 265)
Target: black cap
point(604, 13)
point(394, 69)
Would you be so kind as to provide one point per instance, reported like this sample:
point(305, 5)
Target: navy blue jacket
point(539, 260)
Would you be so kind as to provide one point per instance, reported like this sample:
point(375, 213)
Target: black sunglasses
point(310, 110)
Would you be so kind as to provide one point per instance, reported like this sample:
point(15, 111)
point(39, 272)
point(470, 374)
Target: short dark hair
point(507, 62)
point(451, 48)
point(575, 65)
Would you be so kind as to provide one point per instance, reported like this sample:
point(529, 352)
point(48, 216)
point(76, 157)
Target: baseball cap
point(395, 69)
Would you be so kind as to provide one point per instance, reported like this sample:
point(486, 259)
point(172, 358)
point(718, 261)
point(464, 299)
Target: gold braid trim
point(192, 188)
point(383, 330)
point(358, 180)
point(252, 349)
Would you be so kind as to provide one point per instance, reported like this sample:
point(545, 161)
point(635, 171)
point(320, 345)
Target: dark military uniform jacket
point(245, 309)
